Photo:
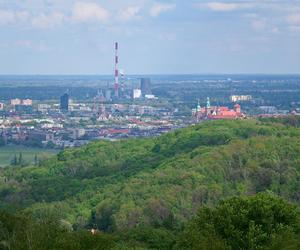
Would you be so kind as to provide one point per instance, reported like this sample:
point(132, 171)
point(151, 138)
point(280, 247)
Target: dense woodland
point(216, 185)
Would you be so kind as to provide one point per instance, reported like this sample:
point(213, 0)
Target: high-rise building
point(146, 86)
point(64, 102)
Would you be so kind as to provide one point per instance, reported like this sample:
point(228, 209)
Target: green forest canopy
point(163, 181)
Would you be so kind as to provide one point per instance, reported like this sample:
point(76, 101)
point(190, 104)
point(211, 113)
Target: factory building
point(146, 86)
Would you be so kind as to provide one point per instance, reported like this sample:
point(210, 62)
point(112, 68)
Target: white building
point(43, 107)
point(16, 101)
point(236, 98)
point(52, 125)
point(150, 97)
point(137, 93)
point(26, 102)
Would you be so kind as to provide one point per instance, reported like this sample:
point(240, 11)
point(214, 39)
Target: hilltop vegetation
point(263, 221)
point(160, 183)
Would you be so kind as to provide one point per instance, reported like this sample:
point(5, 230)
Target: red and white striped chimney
point(116, 70)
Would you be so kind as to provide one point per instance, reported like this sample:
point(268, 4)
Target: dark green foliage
point(147, 238)
point(159, 182)
point(18, 161)
point(256, 222)
point(263, 221)
point(14, 160)
point(293, 120)
point(47, 232)
point(36, 160)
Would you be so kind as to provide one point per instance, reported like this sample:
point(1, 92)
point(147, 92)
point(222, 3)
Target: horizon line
point(156, 74)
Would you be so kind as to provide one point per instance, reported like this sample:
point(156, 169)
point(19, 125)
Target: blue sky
point(159, 37)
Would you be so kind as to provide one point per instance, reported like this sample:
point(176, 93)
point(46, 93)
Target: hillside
point(160, 181)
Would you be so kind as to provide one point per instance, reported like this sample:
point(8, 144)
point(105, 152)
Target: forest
point(215, 185)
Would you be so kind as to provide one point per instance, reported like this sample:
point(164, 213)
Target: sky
point(155, 37)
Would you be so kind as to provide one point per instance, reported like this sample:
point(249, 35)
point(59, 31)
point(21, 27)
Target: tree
point(14, 160)
point(45, 231)
point(242, 223)
point(36, 160)
point(20, 160)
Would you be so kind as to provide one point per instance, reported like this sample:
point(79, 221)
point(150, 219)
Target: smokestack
point(116, 70)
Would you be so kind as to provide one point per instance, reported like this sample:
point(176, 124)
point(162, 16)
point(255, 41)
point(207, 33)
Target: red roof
point(227, 113)
point(222, 116)
point(223, 108)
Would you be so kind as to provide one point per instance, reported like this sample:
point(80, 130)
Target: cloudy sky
point(163, 36)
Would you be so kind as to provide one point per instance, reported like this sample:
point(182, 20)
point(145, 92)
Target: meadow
point(7, 153)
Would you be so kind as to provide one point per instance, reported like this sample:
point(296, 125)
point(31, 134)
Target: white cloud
point(129, 13)
point(221, 6)
point(159, 8)
point(89, 12)
point(44, 21)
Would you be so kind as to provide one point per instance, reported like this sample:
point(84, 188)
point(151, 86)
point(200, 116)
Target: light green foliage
point(163, 181)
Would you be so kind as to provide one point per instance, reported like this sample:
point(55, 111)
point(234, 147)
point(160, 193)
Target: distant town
point(68, 123)
point(58, 112)
point(111, 115)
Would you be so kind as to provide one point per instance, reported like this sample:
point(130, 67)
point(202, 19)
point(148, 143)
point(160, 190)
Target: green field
point(7, 153)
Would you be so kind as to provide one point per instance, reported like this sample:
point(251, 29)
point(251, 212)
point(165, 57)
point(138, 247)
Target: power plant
point(146, 86)
point(119, 83)
point(116, 70)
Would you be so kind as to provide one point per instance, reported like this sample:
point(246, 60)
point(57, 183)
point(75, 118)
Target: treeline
point(257, 222)
point(160, 182)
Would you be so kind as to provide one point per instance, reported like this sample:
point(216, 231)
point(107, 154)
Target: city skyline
point(155, 37)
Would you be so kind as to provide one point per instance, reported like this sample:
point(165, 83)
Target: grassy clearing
point(7, 154)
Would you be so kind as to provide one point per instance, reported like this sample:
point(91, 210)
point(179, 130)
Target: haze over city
point(156, 37)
